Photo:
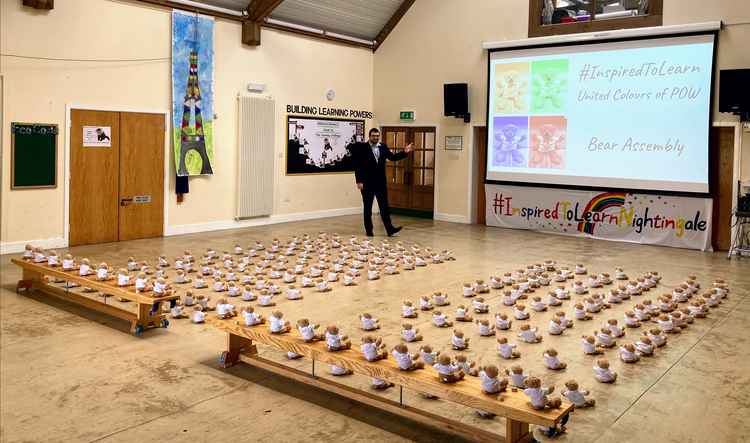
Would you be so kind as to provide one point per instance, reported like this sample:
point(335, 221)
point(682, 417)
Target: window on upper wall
point(554, 17)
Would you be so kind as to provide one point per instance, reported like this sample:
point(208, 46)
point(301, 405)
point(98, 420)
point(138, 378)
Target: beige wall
point(296, 70)
point(439, 42)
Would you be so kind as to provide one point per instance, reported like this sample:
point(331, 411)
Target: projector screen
point(628, 114)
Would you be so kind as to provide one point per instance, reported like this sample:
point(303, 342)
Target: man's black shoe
point(394, 230)
point(370, 234)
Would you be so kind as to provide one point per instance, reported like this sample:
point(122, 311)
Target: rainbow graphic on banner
point(600, 203)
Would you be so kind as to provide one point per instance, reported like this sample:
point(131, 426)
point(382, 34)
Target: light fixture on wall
point(330, 94)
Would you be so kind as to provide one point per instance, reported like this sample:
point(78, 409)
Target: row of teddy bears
point(667, 314)
point(238, 277)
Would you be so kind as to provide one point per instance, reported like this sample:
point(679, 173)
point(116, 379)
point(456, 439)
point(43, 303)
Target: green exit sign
point(406, 115)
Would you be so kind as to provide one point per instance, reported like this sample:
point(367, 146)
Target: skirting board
point(14, 247)
point(260, 221)
point(453, 218)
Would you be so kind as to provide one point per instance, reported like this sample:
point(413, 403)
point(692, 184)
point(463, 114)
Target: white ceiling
point(356, 18)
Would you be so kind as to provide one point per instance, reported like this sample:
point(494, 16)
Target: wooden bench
point(513, 406)
point(140, 320)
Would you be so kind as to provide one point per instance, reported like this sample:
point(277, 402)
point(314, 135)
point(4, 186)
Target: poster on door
point(682, 222)
point(97, 136)
point(318, 145)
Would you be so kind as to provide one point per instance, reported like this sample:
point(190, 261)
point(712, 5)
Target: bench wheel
point(165, 323)
point(138, 330)
point(223, 357)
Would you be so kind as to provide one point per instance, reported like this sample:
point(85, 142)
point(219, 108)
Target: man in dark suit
point(369, 173)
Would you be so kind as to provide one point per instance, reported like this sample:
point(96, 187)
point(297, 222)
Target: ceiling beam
point(321, 36)
point(395, 18)
point(258, 10)
point(39, 4)
point(251, 30)
point(195, 9)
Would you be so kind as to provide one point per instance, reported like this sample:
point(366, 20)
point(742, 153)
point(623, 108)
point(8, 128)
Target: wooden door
point(480, 156)
point(395, 172)
point(141, 196)
point(93, 180)
point(421, 169)
point(411, 182)
point(722, 160)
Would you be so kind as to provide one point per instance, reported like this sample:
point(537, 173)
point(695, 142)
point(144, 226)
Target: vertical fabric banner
point(192, 93)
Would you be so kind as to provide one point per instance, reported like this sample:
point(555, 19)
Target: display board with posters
point(318, 145)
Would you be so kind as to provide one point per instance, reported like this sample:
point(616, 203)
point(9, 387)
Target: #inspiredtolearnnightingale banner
point(683, 222)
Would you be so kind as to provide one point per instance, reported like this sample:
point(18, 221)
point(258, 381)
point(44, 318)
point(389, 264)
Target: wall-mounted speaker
point(734, 92)
point(456, 100)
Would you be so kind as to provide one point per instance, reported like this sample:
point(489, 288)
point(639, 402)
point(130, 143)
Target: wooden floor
point(72, 375)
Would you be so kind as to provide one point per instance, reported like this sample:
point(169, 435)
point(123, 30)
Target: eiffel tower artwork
point(193, 140)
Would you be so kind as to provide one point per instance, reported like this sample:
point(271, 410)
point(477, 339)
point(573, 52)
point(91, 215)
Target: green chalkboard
point(33, 155)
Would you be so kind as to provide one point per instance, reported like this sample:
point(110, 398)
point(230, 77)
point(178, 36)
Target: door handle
point(125, 201)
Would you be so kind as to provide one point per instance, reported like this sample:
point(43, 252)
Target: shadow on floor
point(342, 405)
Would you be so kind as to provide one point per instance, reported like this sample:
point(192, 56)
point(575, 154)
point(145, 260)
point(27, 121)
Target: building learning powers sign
point(683, 222)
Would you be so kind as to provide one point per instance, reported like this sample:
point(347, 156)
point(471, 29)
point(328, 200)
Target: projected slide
point(629, 114)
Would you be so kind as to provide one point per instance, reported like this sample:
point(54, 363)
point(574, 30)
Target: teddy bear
point(308, 330)
point(336, 341)
point(277, 323)
point(373, 348)
point(468, 290)
point(604, 338)
point(198, 316)
point(428, 355)
point(552, 361)
point(644, 346)
point(589, 345)
point(555, 327)
point(368, 322)
point(603, 373)
point(177, 311)
point(405, 360)
point(537, 304)
point(448, 372)
point(440, 299)
point(529, 334)
point(577, 396)
point(507, 350)
point(251, 317)
point(462, 314)
point(496, 282)
point(485, 328)
point(468, 367)
point(490, 381)
point(441, 320)
point(224, 309)
point(409, 333)
point(616, 330)
point(517, 376)
point(458, 341)
point(84, 268)
point(628, 353)
point(519, 312)
point(407, 310)
point(425, 304)
point(552, 299)
point(233, 289)
point(538, 396)
point(502, 322)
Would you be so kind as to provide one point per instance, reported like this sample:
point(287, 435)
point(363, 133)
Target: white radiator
point(256, 157)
